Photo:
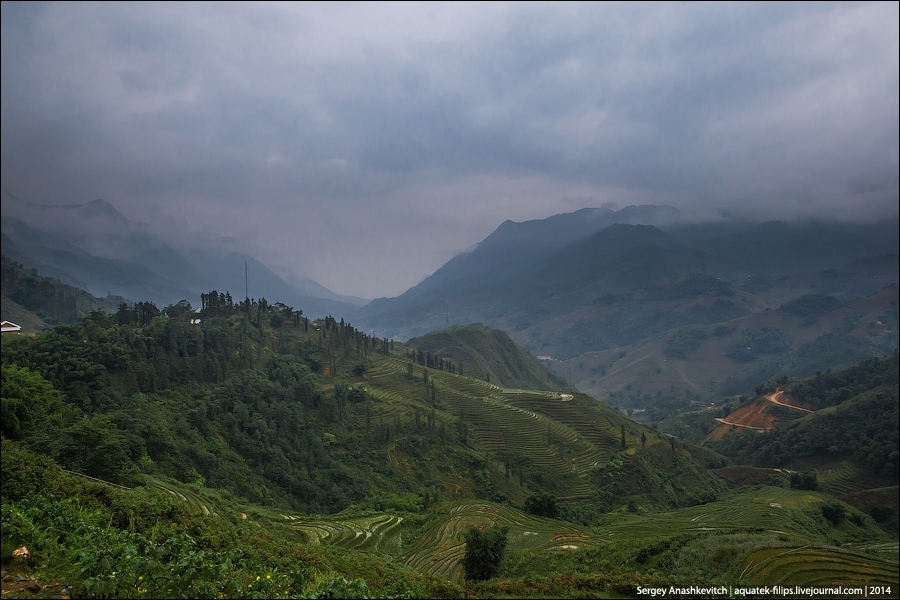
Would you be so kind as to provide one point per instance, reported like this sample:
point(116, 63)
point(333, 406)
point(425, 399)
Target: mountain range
point(526, 273)
point(96, 248)
point(256, 439)
point(608, 296)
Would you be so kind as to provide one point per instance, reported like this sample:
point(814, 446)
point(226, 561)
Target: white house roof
point(9, 326)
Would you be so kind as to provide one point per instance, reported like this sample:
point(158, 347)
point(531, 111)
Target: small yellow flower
point(257, 577)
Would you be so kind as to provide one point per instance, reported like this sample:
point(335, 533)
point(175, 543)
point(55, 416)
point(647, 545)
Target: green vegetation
point(830, 350)
point(542, 504)
point(830, 389)
point(818, 566)
point(479, 351)
point(811, 306)
point(804, 480)
point(753, 344)
point(862, 425)
point(100, 540)
point(254, 456)
point(157, 397)
point(35, 302)
point(484, 552)
point(683, 342)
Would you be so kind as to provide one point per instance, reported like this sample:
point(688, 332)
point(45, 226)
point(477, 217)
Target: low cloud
point(363, 144)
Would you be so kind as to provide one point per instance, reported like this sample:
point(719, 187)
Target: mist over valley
point(449, 301)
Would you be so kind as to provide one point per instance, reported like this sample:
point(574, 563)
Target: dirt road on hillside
point(775, 398)
point(724, 422)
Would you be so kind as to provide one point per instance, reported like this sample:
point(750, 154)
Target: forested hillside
point(35, 301)
point(208, 402)
point(245, 430)
point(850, 414)
point(259, 401)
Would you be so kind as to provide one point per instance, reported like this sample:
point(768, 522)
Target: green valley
point(244, 450)
point(450, 300)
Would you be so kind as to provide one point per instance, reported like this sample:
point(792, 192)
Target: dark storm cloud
point(364, 144)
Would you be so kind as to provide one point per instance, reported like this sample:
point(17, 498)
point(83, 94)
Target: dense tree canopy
point(224, 401)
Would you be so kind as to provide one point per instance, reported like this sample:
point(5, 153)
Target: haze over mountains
point(667, 322)
point(686, 310)
point(611, 296)
point(637, 317)
point(94, 247)
point(525, 273)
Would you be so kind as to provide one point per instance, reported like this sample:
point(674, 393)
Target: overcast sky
point(364, 145)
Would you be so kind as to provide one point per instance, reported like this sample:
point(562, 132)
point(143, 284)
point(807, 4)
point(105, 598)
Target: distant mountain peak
point(559, 230)
point(43, 215)
point(99, 207)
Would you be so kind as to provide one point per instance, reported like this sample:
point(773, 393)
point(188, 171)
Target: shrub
point(684, 342)
point(542, 504)
point(834, 513)
point(484, 552)
point(804, 480)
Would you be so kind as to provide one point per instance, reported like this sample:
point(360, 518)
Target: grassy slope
point(26, 319)
point(489, 354)
point(753, 533)
point(569, 445)
point(839, 338)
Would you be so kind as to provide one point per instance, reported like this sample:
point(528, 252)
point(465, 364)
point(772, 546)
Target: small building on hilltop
point(9, 327)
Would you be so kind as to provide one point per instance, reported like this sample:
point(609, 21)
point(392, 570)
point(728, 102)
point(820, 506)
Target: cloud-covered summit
point(363, 145)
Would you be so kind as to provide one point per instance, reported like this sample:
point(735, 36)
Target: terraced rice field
point(821, 566)
point(378, 534)
point(768, 508)
point(500, 420)
point(590, 424)
point(527, 432)
point(438, 550)
point(193, 502)
point(888, 552)
point(840, 479)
